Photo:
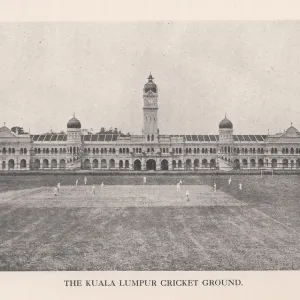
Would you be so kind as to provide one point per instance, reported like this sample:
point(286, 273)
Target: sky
point(248, 70)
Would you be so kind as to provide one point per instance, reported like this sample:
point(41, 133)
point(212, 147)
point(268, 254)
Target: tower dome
point(74, 123)
point(225, 124)
point(150, 85)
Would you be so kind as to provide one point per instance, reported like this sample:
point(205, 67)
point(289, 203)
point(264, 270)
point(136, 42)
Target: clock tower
point(150, 130)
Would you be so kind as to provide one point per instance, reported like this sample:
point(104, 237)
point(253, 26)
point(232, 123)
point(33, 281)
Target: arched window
point(148, 138)
point(179, 164)
point(152, 137)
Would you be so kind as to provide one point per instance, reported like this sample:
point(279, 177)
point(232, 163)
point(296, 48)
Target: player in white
point(93, 189)
point(102, 185)
point(240, 186)
point(178, 187)
point(187, 196)
point(77, 182)
point(55, 192)
point(229, 180)
point(85, 180)
point(58, 187)
point(215, 187)
point(180, 181)
point(144, 179)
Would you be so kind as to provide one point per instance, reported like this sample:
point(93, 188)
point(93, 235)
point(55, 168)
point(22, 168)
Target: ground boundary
point(148, 173)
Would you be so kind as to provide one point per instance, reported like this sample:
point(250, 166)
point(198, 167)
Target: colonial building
point(151, 150)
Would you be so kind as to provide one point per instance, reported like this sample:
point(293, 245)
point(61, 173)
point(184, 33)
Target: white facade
point(150, 150)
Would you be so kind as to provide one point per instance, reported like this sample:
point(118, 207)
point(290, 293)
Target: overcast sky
point(249, 70)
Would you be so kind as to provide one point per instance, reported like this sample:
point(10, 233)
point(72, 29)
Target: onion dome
point(225, 124)
point(4, 128)
point(150, 85)
point(74, 123)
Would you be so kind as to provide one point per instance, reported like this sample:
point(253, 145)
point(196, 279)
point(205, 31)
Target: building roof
point(215, 138)
point(225, 124)
point(150, 85)
point(74, 123)
point(49, 137)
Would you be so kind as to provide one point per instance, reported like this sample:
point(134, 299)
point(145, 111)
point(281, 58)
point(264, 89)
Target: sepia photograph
point(150, 146)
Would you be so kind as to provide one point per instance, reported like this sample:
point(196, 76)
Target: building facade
point(77, 149)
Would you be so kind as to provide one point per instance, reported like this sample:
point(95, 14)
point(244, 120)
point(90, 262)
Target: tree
point(17, 129)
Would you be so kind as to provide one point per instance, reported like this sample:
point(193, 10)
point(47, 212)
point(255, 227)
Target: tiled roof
point(215, 138)
point(113, 137)
point(100, 137)
point(49, 137)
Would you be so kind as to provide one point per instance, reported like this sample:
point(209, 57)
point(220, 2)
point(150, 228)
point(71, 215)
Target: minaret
point(150, 130)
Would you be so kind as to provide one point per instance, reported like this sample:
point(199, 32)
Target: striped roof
point(49, 137)
point(214, 138)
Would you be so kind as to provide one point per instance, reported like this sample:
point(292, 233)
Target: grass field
point(131, 226)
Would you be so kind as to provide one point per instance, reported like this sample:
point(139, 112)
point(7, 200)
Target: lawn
point(131, 226)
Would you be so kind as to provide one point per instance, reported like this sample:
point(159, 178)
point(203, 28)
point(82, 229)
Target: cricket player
point(76, 182)
point(58, 187)
point(215, 187)
point(85, 180)
point(102, 185)
point(229, 180)
point(55, 192)
point(240, 186)
point(187, 196)
point(178, 187)
point(93, 189)
point(145, 179)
